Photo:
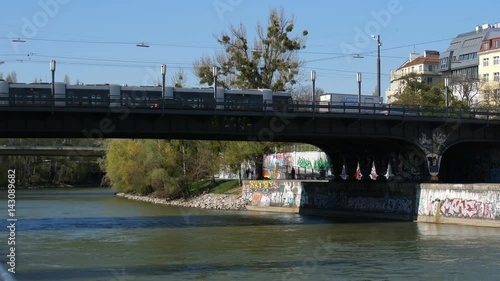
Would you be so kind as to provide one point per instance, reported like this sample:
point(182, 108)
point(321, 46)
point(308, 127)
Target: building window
point(496, 76)
point(430, 68)
point(486, 95)
point(496, 44)
point(496, 60)
point(486, 46)
point(429, 80)
point(486, 61)
point(486, 78)
point(444, 63)
point(420, 68)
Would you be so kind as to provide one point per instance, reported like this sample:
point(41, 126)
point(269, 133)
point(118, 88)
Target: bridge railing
point(319, 107)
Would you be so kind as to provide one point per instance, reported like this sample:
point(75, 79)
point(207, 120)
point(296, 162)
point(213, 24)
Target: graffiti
point(261, 184)
point(273, 193)
point(467, 209)
point(304, 163)
point(321, 164)
point(388, 205)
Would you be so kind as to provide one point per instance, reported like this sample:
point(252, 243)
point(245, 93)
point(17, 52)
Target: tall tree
point(270, 62)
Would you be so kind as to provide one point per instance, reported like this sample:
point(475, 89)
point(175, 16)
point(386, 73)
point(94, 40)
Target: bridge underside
point(408, 144)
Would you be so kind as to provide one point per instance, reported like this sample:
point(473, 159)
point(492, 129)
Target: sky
point(95, 41)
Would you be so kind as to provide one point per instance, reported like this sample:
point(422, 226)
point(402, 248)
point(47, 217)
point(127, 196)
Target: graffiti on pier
point(273, 193)
point(401, 205)
point(461, 208)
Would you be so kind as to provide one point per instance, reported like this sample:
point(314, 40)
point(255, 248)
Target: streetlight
point(163, 73)
point(215, 73)
point(377, 37)
point(313, 79)
point(53, 70)
point(359, 87)
point(446, 83)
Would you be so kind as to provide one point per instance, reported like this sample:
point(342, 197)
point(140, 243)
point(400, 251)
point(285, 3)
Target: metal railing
point(320, 107)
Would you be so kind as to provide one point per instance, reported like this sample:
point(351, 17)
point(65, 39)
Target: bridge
point(61, 147)
point(415, 141)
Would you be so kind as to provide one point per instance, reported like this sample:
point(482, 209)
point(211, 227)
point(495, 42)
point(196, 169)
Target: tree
point(179, 79)
point(11, 77)
point(270, 63)
point(465, 88)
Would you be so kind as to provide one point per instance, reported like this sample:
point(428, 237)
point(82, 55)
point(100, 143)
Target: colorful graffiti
point(461, 208)
point(273, 193)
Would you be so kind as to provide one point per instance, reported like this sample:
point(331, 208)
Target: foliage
point(50, 171)
point(10, 78)
point(179, 80)
point(270, 63)
point(168, 167)
point(418, 93)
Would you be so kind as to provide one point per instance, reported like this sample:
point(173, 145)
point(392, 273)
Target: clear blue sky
point(95, 40)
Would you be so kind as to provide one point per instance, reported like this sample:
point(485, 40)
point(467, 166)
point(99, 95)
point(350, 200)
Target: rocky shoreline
point(207, 201)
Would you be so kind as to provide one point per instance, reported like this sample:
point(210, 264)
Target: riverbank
point(207, 201)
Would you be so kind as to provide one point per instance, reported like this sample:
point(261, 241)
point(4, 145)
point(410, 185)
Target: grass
point(217, 187)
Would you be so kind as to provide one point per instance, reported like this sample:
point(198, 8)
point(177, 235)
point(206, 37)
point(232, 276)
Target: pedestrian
point(293, 173)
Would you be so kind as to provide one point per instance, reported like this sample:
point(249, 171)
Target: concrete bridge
point(416, 142)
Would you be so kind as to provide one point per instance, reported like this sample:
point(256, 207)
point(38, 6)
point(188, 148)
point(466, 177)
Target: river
point(90, 234)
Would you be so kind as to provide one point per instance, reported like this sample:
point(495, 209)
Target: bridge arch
point(406, 160)
point(471, 161)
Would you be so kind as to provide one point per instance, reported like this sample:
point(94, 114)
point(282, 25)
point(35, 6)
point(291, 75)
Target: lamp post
point(313, 79)
point(359, 90)
point(377, 37)
point(215, 73)
point(53, 70)
point(446, 83)
point(163, 73)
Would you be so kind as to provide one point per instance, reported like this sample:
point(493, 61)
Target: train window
point(31, 96)
point(87, 97)
point(244, 101)
point(195, 100)
point(138, 98)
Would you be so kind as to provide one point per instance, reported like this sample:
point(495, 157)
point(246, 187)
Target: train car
point(111, 95)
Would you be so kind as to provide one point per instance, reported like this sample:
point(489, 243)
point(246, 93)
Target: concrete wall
point(470, 204)
point(361, 198)
point(369, 199)
point(273, 195)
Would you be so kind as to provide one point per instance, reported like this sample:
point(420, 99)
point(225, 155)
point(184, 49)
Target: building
point(489, 69)
point(460, 62)
point(426, 67)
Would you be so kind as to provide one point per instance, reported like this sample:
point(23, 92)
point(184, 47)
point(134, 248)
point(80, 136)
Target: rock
point(207, 201)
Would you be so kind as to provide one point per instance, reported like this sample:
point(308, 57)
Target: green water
point(89, 234)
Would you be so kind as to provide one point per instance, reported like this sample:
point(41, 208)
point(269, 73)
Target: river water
point(89, 234)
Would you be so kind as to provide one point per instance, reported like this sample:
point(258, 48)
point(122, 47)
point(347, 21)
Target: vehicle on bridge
point(111, 95)
point(348, 103)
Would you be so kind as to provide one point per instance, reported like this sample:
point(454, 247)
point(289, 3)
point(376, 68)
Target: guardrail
point(295, 106)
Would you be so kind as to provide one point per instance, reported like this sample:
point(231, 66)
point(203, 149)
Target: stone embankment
point(207, 201)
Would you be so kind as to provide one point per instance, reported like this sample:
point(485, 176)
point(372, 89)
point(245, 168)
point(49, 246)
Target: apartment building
point(489, 69)
point(426, 67)
point(460, 62)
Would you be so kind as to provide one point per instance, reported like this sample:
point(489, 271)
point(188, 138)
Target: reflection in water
point(88, 234)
